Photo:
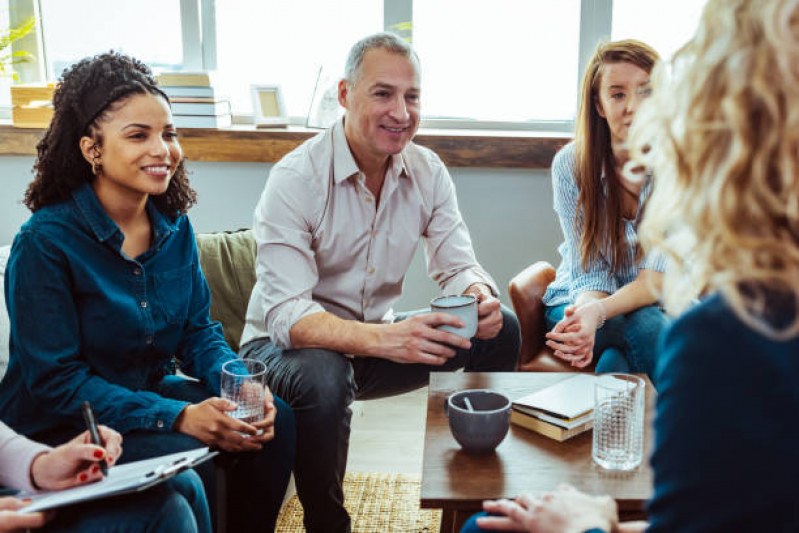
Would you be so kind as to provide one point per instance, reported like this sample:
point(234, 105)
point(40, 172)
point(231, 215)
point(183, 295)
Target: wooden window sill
point(457, 148)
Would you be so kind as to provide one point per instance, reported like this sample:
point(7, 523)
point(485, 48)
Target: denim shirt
point(90, 323)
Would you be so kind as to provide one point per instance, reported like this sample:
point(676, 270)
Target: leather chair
point(526, 291)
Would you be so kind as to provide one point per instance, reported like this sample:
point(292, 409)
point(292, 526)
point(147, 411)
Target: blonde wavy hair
point(721, 134)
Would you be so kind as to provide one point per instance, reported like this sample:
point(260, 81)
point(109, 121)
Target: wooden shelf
point(457, 148)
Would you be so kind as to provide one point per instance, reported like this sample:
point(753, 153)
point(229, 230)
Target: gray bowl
point(484, 428)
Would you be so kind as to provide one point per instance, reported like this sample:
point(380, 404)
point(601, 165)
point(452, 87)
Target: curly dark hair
point(86, 93)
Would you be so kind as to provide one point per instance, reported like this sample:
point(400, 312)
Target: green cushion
point(228, 262)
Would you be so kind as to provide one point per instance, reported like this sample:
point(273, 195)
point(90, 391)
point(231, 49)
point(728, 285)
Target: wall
point(509, 214)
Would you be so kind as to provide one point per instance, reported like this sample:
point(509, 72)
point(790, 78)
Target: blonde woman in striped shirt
point(602, 305)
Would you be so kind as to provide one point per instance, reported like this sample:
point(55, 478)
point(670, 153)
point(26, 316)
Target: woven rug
point(376, 503)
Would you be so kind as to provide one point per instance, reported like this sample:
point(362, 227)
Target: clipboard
point(122, 479)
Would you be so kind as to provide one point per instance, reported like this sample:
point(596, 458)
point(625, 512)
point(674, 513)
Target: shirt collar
point(104, 228)
point(344, 165)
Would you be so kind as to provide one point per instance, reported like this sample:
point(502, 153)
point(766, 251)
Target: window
point(285, 42)
point(665, 25)
point(505, 60)
point(149, 30)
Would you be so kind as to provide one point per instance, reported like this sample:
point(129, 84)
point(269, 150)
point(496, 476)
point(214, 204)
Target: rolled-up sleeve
point(566, 195)
point(16, 457)
point(285, 267)
point(451, 261)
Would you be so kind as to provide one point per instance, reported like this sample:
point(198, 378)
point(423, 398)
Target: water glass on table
point(244, 383)
point(618, 421)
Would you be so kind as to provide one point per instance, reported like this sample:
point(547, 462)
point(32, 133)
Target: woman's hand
point(75, 462)
point(564, 511)
point(11, 520)
point(572, 339)
point(209, 422)
point(267, 425)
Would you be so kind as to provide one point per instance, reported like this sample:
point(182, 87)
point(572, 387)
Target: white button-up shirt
point(326, 244)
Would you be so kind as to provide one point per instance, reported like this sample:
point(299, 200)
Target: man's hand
point(75, 462)
point(489, 314)
point(209, 422)
point(572, 339)
point(564, 511)
point(11, 520)
point(416, 339)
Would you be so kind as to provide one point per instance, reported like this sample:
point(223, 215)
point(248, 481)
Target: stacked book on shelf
point(195, 103)
point(32, 105)
point(559, 411)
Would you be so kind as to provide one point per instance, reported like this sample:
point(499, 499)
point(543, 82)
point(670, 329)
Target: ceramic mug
point(479, 419)
point(463, 306)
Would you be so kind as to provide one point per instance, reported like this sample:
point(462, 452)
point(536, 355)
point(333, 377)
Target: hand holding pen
point(75, 462)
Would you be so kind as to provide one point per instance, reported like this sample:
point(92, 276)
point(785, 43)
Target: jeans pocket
point(173, 292)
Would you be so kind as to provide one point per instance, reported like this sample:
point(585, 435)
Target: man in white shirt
point(337, 226)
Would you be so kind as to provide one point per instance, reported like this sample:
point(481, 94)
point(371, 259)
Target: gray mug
point(483, 428)
point(463, 306)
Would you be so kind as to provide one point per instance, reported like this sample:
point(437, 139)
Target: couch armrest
point(526, 291)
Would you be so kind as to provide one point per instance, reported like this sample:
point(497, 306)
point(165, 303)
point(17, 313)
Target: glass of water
point(244, 382)
point(618, 421)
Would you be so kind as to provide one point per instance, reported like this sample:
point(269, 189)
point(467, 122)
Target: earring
point(97, 167)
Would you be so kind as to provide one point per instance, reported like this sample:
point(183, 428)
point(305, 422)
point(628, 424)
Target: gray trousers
point(320, 385)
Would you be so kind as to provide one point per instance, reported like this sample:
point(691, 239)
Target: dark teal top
point(90, 323)
point(727, 429)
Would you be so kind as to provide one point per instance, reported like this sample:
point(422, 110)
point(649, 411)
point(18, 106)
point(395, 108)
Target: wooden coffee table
point(457, 482)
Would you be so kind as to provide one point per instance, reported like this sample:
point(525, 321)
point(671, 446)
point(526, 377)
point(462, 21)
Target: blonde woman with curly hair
point(601, 307)
point(721, 134)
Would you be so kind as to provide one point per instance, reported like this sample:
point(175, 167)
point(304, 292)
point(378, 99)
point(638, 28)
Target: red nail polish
point(98, 454)
point(83, 477)
point(27, 500)
point(95, 469)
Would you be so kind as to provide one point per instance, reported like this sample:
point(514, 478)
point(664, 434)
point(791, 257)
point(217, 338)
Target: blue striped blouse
point(571, 279)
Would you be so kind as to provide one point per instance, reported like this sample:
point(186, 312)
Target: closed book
point(219, 107)
point(200, 121)
point(552, 431)
point(562, 422)
point(185, 78)
point(184, 91)
point(569, 399)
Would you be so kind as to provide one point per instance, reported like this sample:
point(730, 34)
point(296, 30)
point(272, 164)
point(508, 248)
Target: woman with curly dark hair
point(105, 293)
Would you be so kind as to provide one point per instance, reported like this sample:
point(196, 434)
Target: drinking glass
point(243, 382)
point(618, 421)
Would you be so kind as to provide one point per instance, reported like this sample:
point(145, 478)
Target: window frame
point(198, 31)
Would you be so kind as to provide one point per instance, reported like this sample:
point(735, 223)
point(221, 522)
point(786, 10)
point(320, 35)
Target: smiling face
point(622, 87)
point(382, 106)
point(139, 151)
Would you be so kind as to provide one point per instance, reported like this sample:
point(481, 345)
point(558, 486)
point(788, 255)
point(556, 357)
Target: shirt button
point(137, 271)
point(371, 270)
point(160, 424)
point(374, 234)
point(143, 305)
point(366, 304)
point(368, 199)
point(148, 339)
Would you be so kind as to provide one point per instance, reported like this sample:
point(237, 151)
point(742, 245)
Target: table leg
point(447, 520)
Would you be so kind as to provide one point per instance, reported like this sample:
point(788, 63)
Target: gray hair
point(384, 41)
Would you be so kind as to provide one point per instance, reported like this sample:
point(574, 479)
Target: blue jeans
point(176, 505)
point(321, 384)
point(626, 343)
point(255, 482)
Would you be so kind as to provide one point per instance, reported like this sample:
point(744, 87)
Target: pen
point(94, 433)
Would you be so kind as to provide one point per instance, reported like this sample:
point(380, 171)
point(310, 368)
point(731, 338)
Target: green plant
point(7, 37)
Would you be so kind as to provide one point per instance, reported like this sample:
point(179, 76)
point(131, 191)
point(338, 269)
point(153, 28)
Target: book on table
point(180, 91)
point(559, 411)
point(199, 106)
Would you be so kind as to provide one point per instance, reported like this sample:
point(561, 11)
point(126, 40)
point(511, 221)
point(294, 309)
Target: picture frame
point(268, 109)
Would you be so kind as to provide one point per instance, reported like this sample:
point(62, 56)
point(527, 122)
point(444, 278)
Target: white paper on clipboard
point(122, 479)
